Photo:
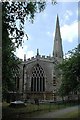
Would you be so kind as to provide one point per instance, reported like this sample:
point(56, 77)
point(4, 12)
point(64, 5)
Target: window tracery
point(38, 79)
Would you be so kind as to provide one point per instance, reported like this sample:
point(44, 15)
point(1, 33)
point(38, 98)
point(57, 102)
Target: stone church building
point(39, 75)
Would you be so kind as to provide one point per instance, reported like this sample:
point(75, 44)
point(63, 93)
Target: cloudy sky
point(41, 32)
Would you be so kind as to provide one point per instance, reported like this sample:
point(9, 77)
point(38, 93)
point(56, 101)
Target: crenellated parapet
point(40, 58)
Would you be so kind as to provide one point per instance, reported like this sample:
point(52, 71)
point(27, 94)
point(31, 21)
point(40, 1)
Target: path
point(59, 113)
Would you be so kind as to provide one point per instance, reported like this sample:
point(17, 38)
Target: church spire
point(57, 23)
point(58, 52)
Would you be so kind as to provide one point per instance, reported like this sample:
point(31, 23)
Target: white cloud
point(21, 51)
point(24, 50)
point(66, 56)
point(29, 54)
point(69, 32)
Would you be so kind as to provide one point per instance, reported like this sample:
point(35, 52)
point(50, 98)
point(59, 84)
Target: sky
point(41, 32)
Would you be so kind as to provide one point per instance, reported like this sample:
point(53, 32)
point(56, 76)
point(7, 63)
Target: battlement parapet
point(48, 57)
point(28, 59)
point(43, 57)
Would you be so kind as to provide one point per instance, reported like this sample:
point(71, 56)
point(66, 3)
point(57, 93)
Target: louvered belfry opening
point(38, 79)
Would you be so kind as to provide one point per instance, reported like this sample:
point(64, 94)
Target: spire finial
point(37, 52)
point(57, 22)
point(57, 15)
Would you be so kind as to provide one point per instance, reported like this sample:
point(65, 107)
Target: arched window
point(38, 79)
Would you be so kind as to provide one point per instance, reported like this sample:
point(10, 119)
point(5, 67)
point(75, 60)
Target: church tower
point(58, 51)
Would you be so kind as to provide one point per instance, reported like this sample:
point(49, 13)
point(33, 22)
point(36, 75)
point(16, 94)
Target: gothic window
point(34, 81)
point(38, 79)
point(40, 84)
point(32, 84)
point(43, 84)
point(37, 83)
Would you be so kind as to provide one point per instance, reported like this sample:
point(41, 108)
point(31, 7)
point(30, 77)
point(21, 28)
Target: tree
point(70, 73)
point(12, 36)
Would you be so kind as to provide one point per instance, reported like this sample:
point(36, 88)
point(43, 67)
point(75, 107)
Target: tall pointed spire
point(57, 23)
point(58, 52)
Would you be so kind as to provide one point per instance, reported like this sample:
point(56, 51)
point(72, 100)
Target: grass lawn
point(30, 110)
point(74, 114)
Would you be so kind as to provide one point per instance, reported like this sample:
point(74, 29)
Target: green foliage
point(14, 12)
point(70, 72)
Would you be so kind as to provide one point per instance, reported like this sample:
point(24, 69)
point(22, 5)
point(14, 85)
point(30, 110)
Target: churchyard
point(31, 110)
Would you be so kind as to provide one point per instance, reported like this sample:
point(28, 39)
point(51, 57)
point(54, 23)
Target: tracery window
point(38, 79)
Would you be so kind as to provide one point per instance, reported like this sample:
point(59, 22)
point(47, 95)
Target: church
point(39, 75)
